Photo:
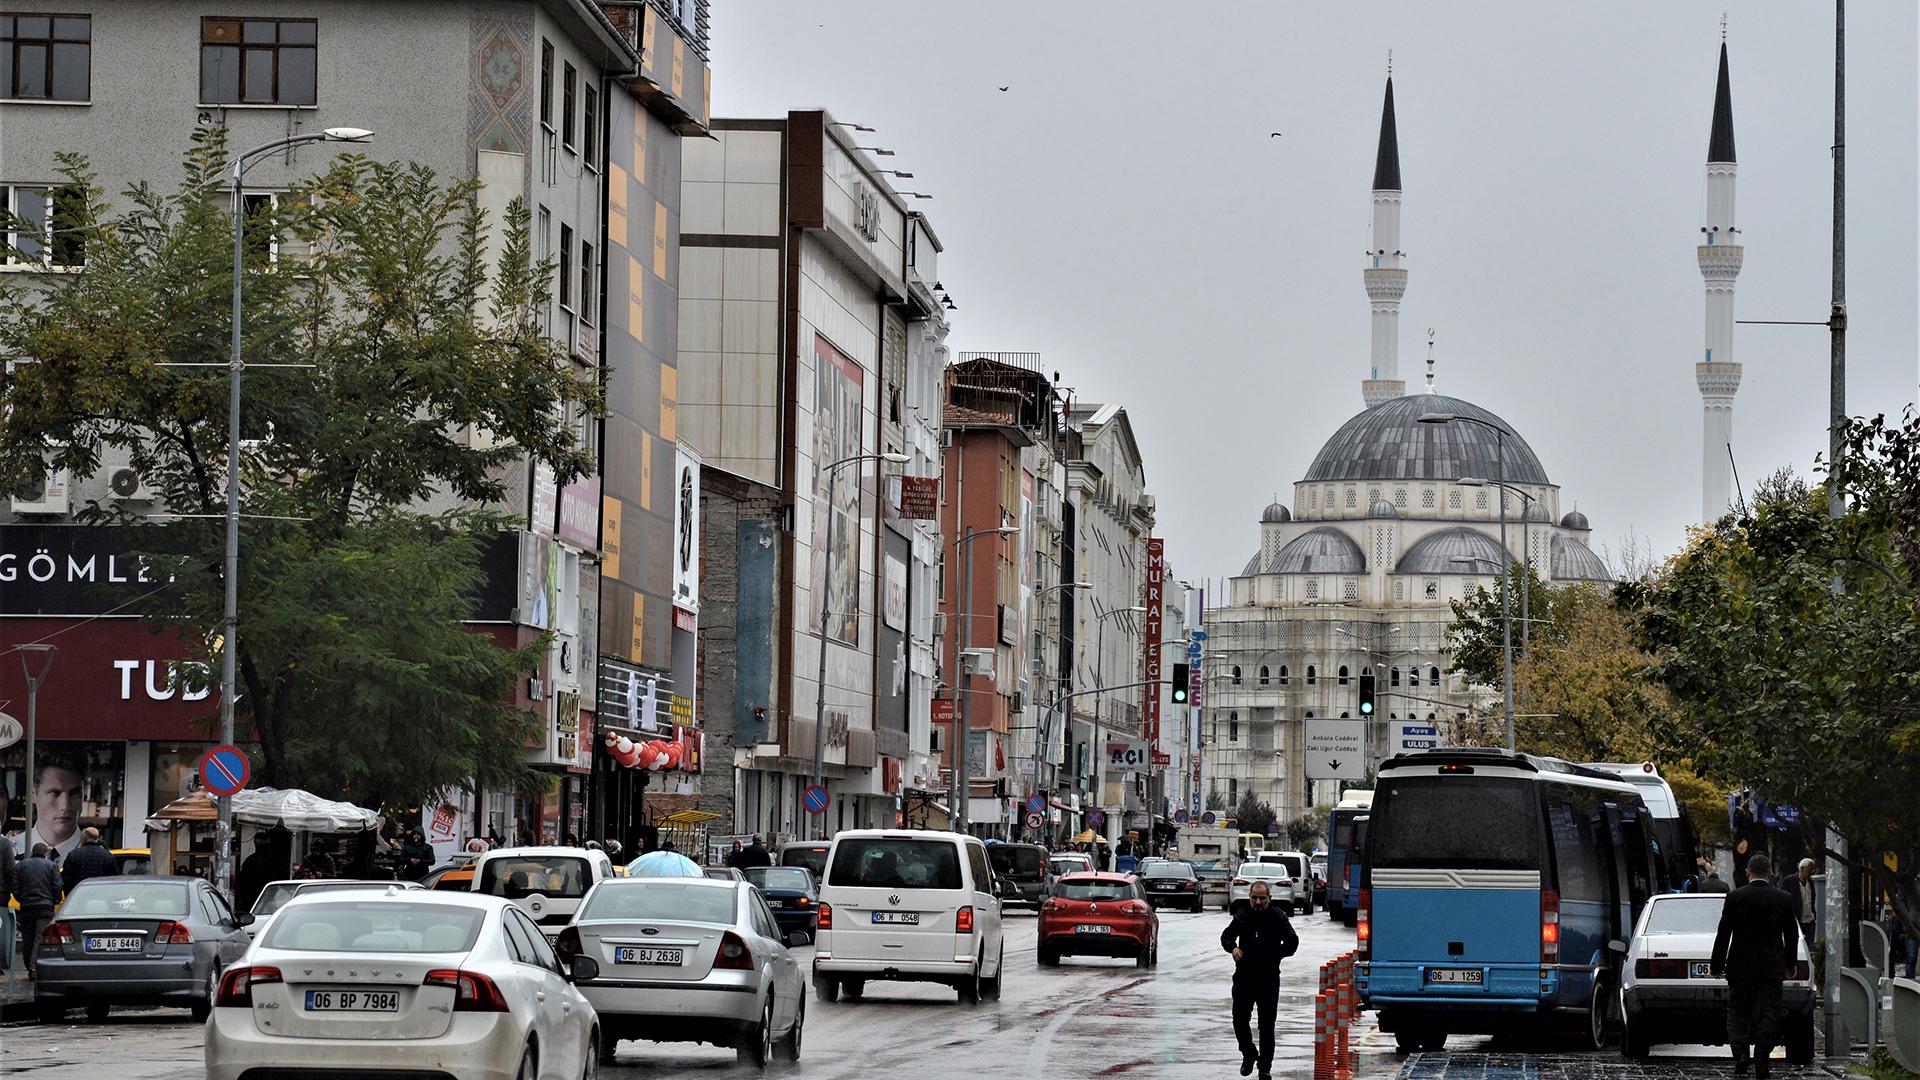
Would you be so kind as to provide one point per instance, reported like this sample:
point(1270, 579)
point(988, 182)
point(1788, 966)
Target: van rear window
point(888, 863)
point(1467, 823)
point(560, 877)
point(1017, 860)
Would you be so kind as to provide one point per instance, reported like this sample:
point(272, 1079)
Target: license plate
point(353, 1001)
point(115, 943)
point(897, 918)
point(1089, 928)
point(1700, 969)
point(1463, 976)
point(648, 954)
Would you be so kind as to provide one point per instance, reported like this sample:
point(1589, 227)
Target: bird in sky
point(1004, 89)
point(1274, 135)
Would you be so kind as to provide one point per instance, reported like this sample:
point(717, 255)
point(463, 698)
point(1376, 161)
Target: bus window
point(1440, 822)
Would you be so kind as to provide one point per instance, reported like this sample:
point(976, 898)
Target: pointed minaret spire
point(1430, 388)
point(1720, 255)
point(1385, 274)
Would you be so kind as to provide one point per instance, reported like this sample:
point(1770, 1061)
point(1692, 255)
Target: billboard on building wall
point(1150, 636)
point(686, 530)
point(838, 422)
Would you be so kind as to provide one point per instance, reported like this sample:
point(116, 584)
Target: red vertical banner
point(1150, 638)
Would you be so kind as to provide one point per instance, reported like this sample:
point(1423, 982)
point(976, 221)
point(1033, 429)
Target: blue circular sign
point(1180, 816)
point(1208, 818)
point(1036, 803)
point(1096, 818)
point(816, 799)
point(224, 770)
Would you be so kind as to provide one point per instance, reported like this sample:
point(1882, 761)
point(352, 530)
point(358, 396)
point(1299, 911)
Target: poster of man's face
point(837, 421)
point(56, 801)
point(64, 778)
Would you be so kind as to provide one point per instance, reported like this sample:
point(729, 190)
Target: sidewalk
point(16, 994)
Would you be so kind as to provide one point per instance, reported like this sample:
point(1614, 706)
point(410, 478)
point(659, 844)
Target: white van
point(545, 882)
point(909, 906)
point(1300, 871)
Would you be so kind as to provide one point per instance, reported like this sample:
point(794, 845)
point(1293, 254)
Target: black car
point(1027, 868)
point(811, 854)
point(792, 893)
point(1168, 882)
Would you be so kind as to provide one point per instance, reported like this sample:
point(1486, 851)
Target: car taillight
point(236, 986)
point(1550, 927)
point(734, 954)
point(1137, 907)
point(567, 944)
point(173, 933)
point(1797, 970)
point(1363, 925)
point(58, 933)
point(472, 991)
point(963, 922)
point(1238, 882)
point(1193, 884)
point(1051, 904)
point(823, 916)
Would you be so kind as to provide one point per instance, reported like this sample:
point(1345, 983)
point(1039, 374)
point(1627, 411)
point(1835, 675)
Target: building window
point(1343, 674)
point(1329, 498)
point(1283, 674)
point(46, 57)
point(1313, 500)
point(568, 82)
point(1346, 716)
point(1393, 677)
point(258, 61)
point(1413, 676)
point(1233, 727)
point(1263, 675)
point(1236, 674)
point(45, 225)
point(1313, 675)
point(1351, 590)
point(1351, 496)
point(1480, 499)
point(1399, 590)
point(1400, 498)
point(1433, 675)
point(566, 267)
point(590, 125)
point(1453, 500)
point(1373, 496)
point(587, 291)
point(1433, 590)
point(1313, 588)
point(1233, 792)
point(546, 84)
point(1426, 499)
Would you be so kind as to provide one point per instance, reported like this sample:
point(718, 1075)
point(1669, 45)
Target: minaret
point(1720, 253)
point(1386, 273)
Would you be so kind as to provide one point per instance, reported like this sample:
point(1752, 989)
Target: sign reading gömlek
point(77, 569)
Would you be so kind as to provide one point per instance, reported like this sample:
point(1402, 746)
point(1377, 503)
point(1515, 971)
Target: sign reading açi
point(1150, 638)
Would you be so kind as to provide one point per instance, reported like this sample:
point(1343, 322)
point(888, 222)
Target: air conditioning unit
point(48, 495)
point(946, 438)
point(125, 484)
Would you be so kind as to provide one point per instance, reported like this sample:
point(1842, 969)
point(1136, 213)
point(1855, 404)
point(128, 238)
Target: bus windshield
point(1468, 823)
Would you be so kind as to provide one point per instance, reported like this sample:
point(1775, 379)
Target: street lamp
point(851, 124)
point(875, 151)
point(957, 789)
point(1506, 565)
point(826, 612)
point(46, 653)
point(230, 620)
point(1100, 670)
point(1042, 730)
point(1526, 552)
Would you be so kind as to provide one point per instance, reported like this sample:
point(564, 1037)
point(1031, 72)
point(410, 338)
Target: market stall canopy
point(264, 808)
point(685, 819)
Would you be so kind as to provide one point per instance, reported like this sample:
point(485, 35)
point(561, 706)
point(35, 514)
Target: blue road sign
point(1096, 818)
point(1036, 803)
point(225, 770)
point(816, 799)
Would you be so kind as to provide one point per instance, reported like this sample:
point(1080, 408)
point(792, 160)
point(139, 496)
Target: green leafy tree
point(1254, 815)
point(1302, 831)
point(374, 465)
point(1807, 694)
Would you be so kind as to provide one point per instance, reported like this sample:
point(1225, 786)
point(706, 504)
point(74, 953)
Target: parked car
point(137, 860)
point(1169, 882)
point(1279, 881)
point(141, 940)
point(791, 892)
point(455, 878)
point(1299, 880)
point(1317, 865)
point(1026, 868)
point(545, 882)
point(1669, 994)
point(276, 894)
point(409, 983)
point(722, 873)
point(811, 854)
point(911, 906)
point(1062, 863)
point(687, 959)
point(1098, 914)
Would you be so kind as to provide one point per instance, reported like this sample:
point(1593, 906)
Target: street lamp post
point(46, 653)
point(959, 789)
point(1044, 729)
point(230, 619)
point(826, 613)
point(1100, 677)
point(1506, 563)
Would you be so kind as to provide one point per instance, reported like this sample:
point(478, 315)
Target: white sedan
point(439, 983)
point(1278, 878)
point(1668, 994)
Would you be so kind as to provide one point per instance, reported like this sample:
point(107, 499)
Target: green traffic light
point(1366, 708)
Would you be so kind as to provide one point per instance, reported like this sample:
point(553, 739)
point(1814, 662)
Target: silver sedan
point(689, 960)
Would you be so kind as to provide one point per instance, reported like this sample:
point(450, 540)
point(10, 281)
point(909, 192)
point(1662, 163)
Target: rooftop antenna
point(1723, 26)
point(1430, 388)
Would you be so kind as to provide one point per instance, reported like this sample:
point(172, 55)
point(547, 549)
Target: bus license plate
point(99, 943)
point(897, 918)
point(353, 1001)
point(642, 954)
point(1457, 976)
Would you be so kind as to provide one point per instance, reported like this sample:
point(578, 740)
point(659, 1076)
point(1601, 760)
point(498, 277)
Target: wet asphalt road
point(1086, 1018)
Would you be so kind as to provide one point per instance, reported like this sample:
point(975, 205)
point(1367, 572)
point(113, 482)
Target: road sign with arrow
point(1336, 749)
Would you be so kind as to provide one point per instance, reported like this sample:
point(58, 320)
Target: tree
point(374, 466)
point(1302, 830)
point(1254, 815)
point(1807, 693)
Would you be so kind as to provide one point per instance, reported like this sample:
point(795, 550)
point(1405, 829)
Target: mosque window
point(1373, 496)
point(1283, 674)
point(1400, 498)
point(1433, 590)
point(1480, 499)
point(1399, 590)
point(1236, 674)
point(1233, 727)
point(1413, 676)
point(1351, 496)
point(1263, 675)
point(1313, 675)
point(1329, 498)
point(1313, 589)
point(1426, 499)
point(1433, 675)
point(1351, 590)
point(1313, 500)
point(1343, 674)
point(1453, 500)
point(1393, 677)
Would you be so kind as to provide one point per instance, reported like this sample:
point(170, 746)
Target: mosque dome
point(1321, 551)
point(1274, 514)
point(1576, 520)
point(1536, 512)
point(1575, 561)
point(1388, 442)
point(1440, 552)
point(1381, 508)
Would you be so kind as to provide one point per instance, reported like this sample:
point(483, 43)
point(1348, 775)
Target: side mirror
point(244, 918)
point(797, 938)
point(1617, 946)
point(583, 969)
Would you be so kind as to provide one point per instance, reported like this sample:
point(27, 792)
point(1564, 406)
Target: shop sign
point(580, 513)
point(920, 497)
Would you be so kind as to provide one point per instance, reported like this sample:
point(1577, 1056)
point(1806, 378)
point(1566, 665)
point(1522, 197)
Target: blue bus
point(1343, 867)
point(1498, 893)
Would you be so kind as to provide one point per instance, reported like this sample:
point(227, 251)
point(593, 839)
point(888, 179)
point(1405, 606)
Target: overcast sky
point(1123, 210)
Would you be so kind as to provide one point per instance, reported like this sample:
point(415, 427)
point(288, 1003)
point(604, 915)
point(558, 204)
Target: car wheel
point(970, 986)
point(529, 1064)
point(1048, 957)
point(1800, 1041)
point(1407, 1041)
point(856, 989)
point(991, 987)
point(1434, 1040)
point(606, 1046)
point(826, 988)
point(590, 1057)
point(790, 1046)
point(756, 1042)
point(97, 1011)
point(1594, 1035)
point(1307, 909)
point(1145, 957)
point(1635, 1042)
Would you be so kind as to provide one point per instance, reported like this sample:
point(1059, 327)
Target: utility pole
point(1835, 930)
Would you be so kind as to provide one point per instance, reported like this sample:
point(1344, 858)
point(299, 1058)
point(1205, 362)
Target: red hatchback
point(1093, 914)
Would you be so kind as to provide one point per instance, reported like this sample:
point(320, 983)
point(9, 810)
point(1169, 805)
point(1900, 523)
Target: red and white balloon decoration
point(654, 755)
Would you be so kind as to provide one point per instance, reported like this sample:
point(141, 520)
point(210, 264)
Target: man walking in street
point(1259, 937)
point(1752, 948)
point(36, 884)
point(90, 860)
point(755, 854)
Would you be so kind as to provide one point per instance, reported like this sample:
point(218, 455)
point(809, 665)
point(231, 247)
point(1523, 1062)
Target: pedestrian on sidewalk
point(1752, 948)
point(1259, 937)
point(36, 884)
point(90, 860)
point(7, 859)
point(1802, 888)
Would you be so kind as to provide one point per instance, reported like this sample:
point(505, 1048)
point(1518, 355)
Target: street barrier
point(1903, 1024)
point(1336, 1006)
point(1876, 949)
point(1859, 1006)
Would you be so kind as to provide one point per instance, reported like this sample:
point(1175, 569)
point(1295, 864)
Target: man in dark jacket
point(755, 854)
point(7, 859)
point(36, 884)
point(1259, 937)
point(1756, 941)
point(90, 860)
point(416, 856)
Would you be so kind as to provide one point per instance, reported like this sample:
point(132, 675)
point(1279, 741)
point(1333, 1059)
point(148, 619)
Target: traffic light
point(1366, 693)
point(1180, 680)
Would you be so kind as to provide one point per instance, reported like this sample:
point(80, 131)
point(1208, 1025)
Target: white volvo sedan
point(410, 982)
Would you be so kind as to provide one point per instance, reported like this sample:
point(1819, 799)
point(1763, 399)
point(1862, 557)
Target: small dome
point(1575, 561)
point(1436, 553)
point(1275, 513)
point(1381, 508)
point(1322, 551)
point(1575, 520)
point(1536, 511)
